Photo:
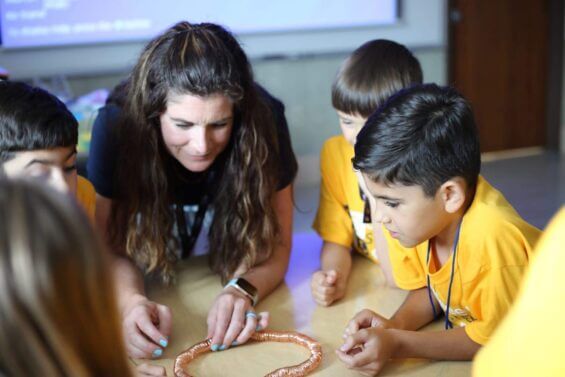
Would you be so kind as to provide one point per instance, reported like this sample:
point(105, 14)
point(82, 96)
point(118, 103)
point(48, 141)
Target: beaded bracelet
point(299, 370)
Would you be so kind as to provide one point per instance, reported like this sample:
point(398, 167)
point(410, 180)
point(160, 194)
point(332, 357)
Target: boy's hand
point(368, 350)
point(366, 319)
point(327, 287)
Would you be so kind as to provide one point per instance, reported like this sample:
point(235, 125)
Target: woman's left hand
point(149, 370)
point(232, 320)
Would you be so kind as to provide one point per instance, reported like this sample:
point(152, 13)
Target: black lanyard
point(366, 207)
point(188, 240)
point(448, 324)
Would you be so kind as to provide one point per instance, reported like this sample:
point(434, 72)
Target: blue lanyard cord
point(448, 324)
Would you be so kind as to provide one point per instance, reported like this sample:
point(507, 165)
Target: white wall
point(421, 25)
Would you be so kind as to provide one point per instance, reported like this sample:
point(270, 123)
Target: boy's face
point(407, 213)
point(56, 166)
point(350, 125)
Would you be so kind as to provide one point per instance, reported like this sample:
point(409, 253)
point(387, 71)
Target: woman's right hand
point(146, 327)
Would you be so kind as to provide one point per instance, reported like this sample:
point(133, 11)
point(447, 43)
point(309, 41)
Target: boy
point(366, 79)
point(453, 240)
point(38, 137)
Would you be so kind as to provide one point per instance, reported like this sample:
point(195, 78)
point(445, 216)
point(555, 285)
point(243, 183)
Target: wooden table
point(291, 308)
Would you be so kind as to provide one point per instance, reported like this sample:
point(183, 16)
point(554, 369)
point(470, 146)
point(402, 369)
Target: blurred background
point(505, 56)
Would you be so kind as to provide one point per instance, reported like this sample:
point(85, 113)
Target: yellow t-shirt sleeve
point(507, 253)
point(498, 291)
point(86, 196)
point(332, 221)
point(407, 268)
point(529, 342)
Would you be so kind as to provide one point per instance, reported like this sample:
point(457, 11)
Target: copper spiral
point(302, 369)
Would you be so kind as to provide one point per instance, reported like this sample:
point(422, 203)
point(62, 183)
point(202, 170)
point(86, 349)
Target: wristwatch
point(244, 287)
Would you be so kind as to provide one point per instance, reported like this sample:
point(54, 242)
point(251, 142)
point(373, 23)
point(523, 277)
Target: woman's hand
point(146, 327)
point(232, 320)
point(148, 370)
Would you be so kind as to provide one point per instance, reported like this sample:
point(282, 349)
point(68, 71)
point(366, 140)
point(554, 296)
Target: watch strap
point(233, 283)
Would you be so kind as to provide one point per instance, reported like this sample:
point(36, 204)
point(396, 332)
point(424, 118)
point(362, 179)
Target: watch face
point(247, 286)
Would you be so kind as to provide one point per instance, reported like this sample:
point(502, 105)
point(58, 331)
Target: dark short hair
point(424, 135)
point(31, 118)
point(371, 74)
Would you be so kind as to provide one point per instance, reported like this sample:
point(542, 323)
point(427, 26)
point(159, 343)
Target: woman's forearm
point(267, 275)
point(128, 281)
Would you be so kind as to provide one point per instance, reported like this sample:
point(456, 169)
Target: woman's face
point(197, 129)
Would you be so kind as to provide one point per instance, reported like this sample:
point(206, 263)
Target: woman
point(58, 314)
point(204, 165)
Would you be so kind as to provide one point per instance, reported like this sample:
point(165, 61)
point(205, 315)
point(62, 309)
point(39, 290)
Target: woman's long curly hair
point(202, 60)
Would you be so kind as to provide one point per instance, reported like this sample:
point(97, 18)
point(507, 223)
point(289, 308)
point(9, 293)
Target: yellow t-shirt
point(529, 342)
point(495, 246)
point(86, 196)
point(340, 214)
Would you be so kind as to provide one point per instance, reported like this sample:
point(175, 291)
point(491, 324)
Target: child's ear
point(453, 194)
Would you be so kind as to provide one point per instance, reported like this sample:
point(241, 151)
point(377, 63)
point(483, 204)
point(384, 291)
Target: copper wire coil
point(302, 369)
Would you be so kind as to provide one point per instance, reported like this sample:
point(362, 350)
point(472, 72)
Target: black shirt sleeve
point(288, 167)
point(103, 152)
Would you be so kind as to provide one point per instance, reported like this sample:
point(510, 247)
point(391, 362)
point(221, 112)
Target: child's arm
point(328, 285)
point(370, 339)
point(414, 313)
point(368, 350)
point(438, 345)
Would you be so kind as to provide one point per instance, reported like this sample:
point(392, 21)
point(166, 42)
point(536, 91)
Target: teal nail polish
point(223, 347)
point(163, 343)
point(158, 352)
point(258, 328)
point(234, 343)
point(214, 347)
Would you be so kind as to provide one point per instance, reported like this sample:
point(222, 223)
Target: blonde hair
point(58, 313)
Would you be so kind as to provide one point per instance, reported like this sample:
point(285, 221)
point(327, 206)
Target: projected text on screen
point(32, 23)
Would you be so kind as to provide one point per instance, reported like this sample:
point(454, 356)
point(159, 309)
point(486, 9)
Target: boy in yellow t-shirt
point(529, 342)
point(453, 240)
point(370, 75)
point(38, 137)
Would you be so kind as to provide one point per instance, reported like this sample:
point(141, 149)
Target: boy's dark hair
point(32, 118)
point(424, 135)
point(371, 74)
